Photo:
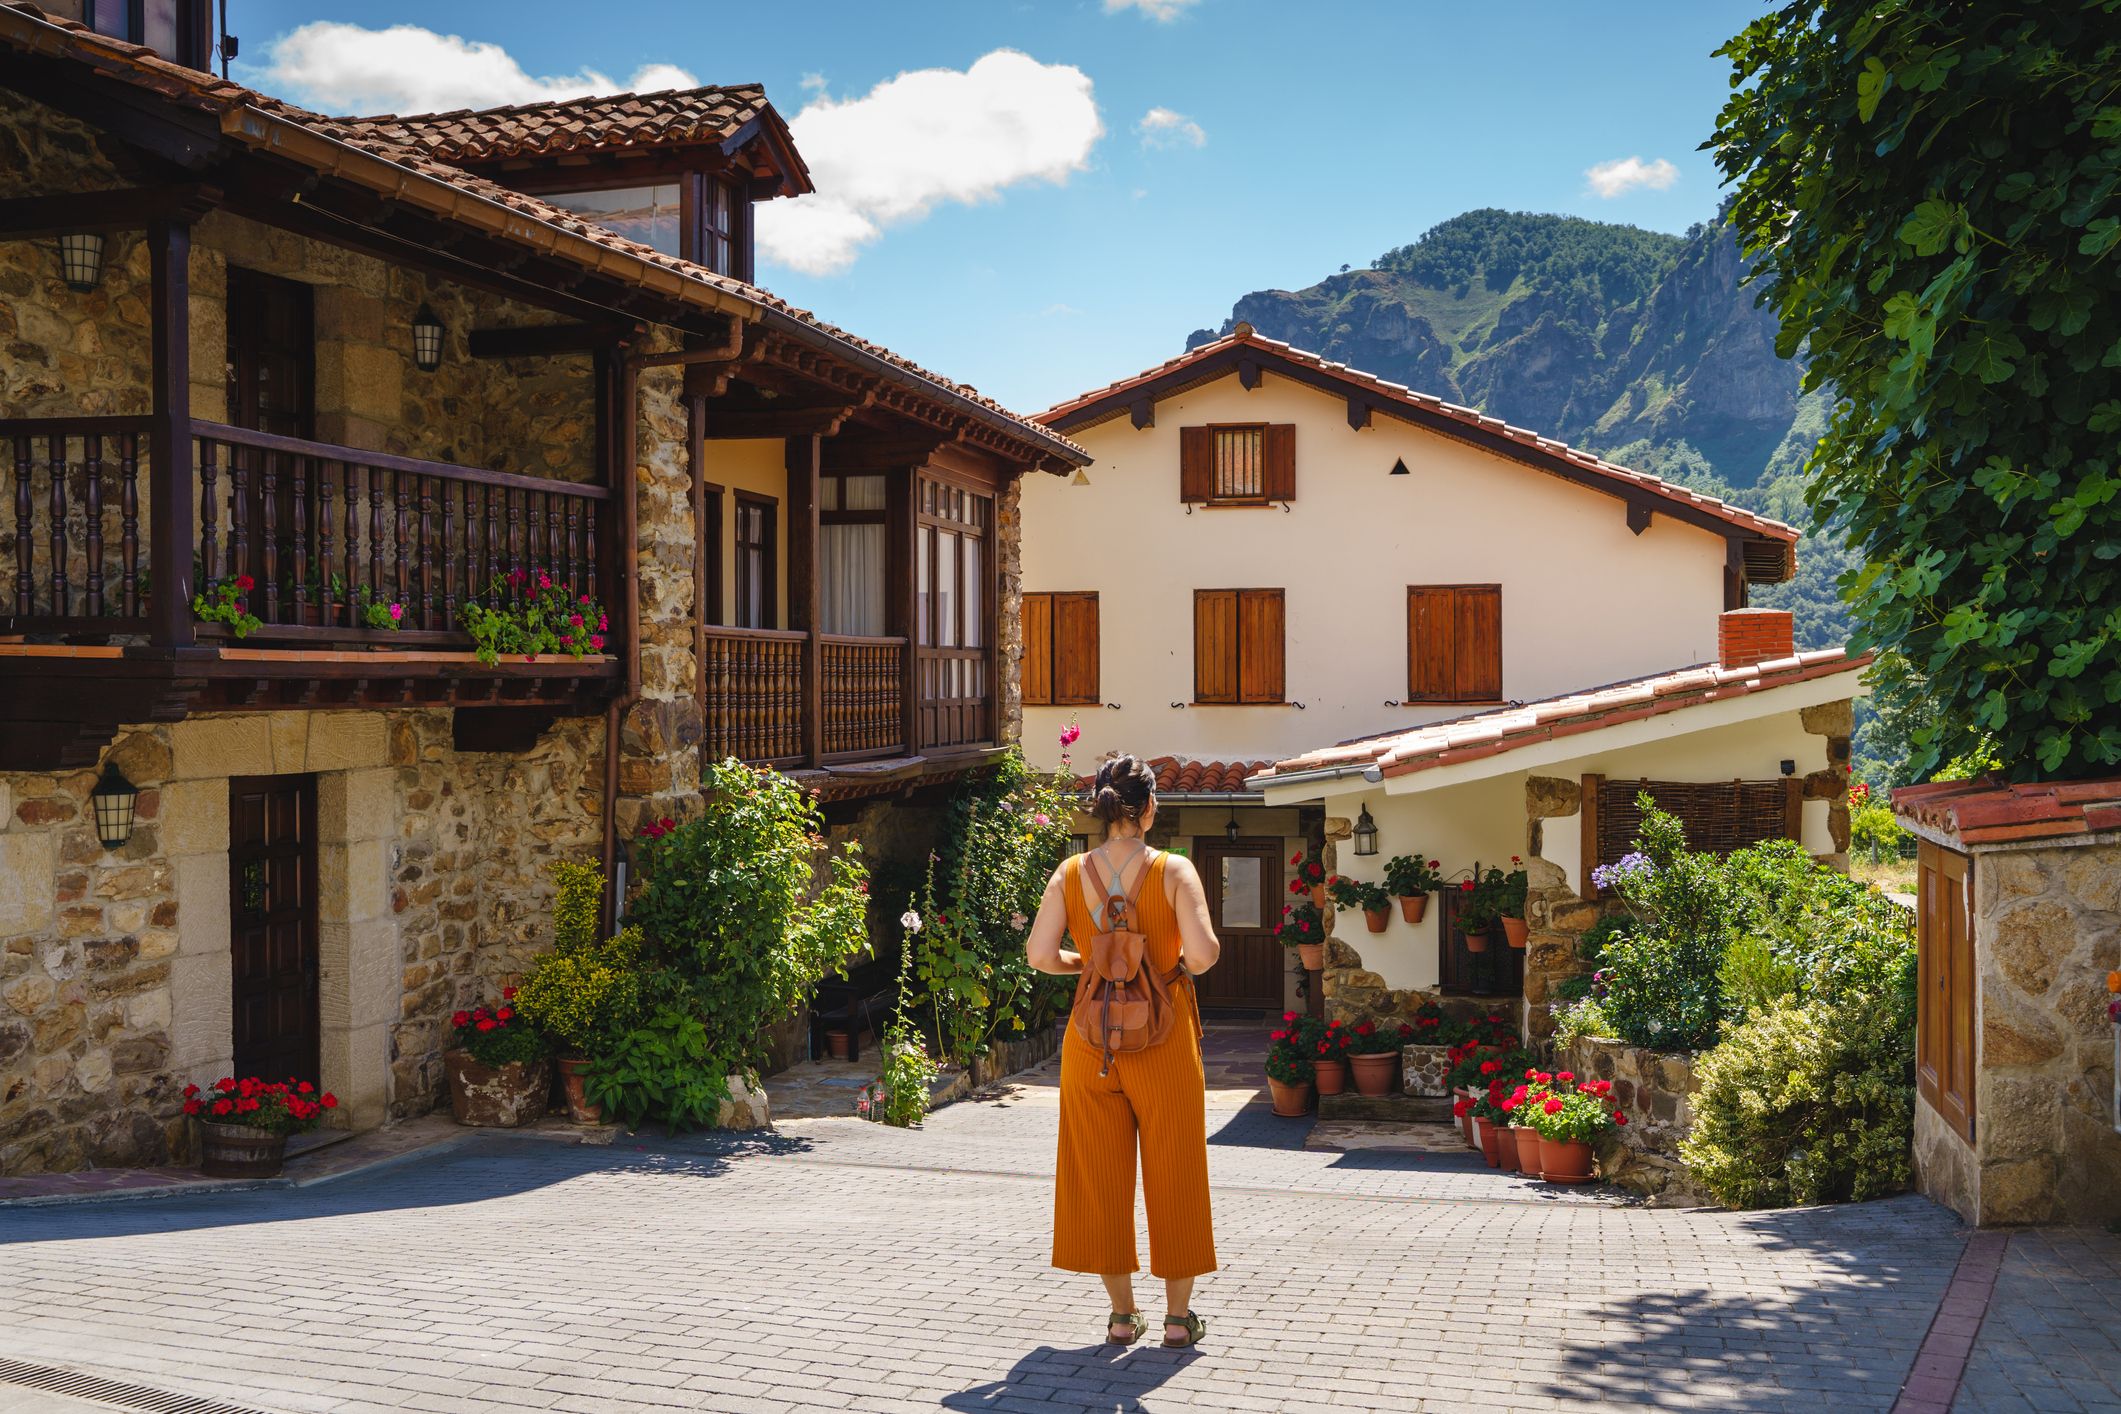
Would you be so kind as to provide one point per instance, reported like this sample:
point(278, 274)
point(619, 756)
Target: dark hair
point(1125, 789)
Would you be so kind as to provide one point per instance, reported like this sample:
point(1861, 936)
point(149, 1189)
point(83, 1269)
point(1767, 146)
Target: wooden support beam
point(1249, 373)
point(802, 456)
point(534, 340)
point(1359, 410)
point(848, 453)
point(1143, 410)
point(1639, 516)
point(127, 209)
point(797, 421)
point(171, 529)
point(901, 608)
point(1587, 853)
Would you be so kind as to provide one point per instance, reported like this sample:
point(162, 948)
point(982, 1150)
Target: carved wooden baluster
point(490, 539)
point(404, 530)
point(209, 509)
point(589, 575)
point(574, 543)
point(375, 531)
point(562, 572)
point(423, 568)
point(269, 532)
point(349, 544)
point(299, 545)
point(449, 551)
point(25, 517)
point(129, 522)
point(326, 570)
point(515, 528)
point(238, 515)
point(92, 503)
point(55, 463)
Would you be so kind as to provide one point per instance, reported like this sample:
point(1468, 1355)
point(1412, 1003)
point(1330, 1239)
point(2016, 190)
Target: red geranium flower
point(245, 583)
point(1552, 1105)
point(462, 1018)
point(1619, 1118)
point(485, 1024)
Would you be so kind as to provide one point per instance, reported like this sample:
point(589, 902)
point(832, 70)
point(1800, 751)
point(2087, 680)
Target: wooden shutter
point(1038, 650)
point(1479, 643)
point(1196, 455)
point(1261, 623)
point(1075, 650)
point(1215, 645)
point(1944, 1012)
point(1281, 461)
point(1432, 638)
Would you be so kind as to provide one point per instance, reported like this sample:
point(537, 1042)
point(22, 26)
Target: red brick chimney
point(1749, 636)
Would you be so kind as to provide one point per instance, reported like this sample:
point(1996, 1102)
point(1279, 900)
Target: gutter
point(1369, 773)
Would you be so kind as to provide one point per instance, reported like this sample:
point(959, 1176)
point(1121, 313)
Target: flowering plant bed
point(1310, 877)
point(224, 601)
point(522, 614)
point(499, 1035)
point(1301, 925)
point(1371, 1039)
point(497, 1072)
point(1561, 1108)
point(275, 1107)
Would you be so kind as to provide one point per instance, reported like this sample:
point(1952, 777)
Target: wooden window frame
point(1053, 697)
point(1270, 493)
point(770, 571)
point(712, 549)
point(195, 27)
point(694, 233)
point(1417, 695)
point(1237, 666)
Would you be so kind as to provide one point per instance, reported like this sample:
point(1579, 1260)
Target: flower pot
point(839, 1045)
point(1377, 918)
point(1475, 942)
point(1565, 1160)
point(1312, 956)
point(1413, 907)
point(1374, 1073)
point(1318, 896)
point(239, 1151)
point(572, 1071)
point(1514, 931)
point(495, 1097)
point(1491, 1143)
point(1506, 1148)
point(1527, 1141)
point(1290, 1101)
point(1465, 1121)
point(1332, 1076)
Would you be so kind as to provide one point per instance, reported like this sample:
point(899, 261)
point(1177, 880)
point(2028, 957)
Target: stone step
point(1405, 1109)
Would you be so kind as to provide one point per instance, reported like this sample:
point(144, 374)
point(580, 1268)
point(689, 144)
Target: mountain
point(1639, 345)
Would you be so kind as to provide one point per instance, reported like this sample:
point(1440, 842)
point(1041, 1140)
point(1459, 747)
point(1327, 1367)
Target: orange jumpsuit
point(1156, 1098)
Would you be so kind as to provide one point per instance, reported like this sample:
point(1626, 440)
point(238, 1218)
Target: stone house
point(1488, 629)
point(331, 366)
point(2018, 923)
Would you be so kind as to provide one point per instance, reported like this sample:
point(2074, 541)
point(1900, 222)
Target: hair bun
point(1124, 790)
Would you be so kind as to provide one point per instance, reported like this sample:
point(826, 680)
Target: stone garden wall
point(1654, 1089)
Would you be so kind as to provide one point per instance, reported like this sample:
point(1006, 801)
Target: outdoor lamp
point(1365, 833)
point(426, 340)
point(81, 260)
point(1230, 831)
point(113, 800)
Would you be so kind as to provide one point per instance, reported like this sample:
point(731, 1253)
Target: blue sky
point(1296, 137)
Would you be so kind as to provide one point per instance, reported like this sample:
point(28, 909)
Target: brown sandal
point(1192, 1325)
point(1132, 1320)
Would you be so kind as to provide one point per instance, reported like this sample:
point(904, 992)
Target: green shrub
point(587, 995)
point(1583, 1017)
point(577, 904)
point(1661, 989)
point(1752, 978)
point(1591, 946)
point(668, 1068)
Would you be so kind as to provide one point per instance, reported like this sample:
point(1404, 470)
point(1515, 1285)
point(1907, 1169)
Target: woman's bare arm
point(1042, 949)
point(1198, 947)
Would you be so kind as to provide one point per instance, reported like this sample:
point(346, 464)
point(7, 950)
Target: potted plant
point(224, 601)
point(1303, 927)
point(1509, 902)
point(1370, 900)
point(1330, 1065)
point(526, 614)
point(1476, 912)
point(1520, 1100)
point(496, 1065)
point(244, 1124)
point(1289, 1073)
point(1374, 1056)
point(1310, 877)
point(1411, 880)
point(1497, 1144)
point(1568, 1116)
point(582, 995)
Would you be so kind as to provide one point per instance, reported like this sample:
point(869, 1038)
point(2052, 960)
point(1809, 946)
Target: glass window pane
point(862, 493)
point(946, 590)
point(1244, 892)
point(159, 26)
point(924, 596)
point(645, 214)
point(975, 600)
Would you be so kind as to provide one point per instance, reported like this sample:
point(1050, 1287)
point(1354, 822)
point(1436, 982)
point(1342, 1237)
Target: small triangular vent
point(1399, 468)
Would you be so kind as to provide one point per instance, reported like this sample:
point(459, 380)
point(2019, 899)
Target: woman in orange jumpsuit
point(1154, 1098)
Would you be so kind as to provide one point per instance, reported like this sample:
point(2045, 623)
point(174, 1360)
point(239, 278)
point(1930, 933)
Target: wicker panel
point(1719, 816)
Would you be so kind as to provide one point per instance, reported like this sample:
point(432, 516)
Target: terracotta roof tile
point(1503, 729)
point(617, 121)
point(1245, 336)
point(24, 26)
point(1989, 811)
point(1178, 776)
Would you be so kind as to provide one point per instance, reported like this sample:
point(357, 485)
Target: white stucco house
point(1306, 593)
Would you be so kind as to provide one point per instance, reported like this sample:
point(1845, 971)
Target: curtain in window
point(851, 578)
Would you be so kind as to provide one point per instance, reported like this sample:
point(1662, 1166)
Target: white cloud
point(342, 68)
point(1625, 174)
point(1060, 311)
point(927, 137)
point(1160, 127)
point(813, 82)
point(1162, 11)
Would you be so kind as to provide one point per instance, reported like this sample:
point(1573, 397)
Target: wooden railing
point(956, 696)
point(72, 546)
point(864, 696)
point(754, 696)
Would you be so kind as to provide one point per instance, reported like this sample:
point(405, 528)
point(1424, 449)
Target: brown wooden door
point(1245, 892)
point(272, 876)
point(271, 354)
point(1944, 1011)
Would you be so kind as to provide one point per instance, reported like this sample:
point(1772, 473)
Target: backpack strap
point(1111, 895)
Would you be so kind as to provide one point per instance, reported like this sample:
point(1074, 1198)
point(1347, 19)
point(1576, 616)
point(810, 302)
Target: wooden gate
point(1944, 1012)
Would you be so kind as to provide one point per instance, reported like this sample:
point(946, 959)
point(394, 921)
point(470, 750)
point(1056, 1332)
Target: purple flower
point(1629, 868)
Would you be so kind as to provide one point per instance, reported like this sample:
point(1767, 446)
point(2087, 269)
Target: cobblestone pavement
point(2052, 1339)
point(845, 1266)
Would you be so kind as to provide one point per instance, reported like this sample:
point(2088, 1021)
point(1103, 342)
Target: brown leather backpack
point(1121, 1003)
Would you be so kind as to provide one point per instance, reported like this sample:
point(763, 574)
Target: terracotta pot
point(239, 1151)
point(1506, 1148)
point(1465, 1121)
point(1377, 918)
point(1565, 1161)
point(839, 1045)
point(1332, 1076)
point(572, 1071)
point(1414, 907)
point(1527, 1139)
point(496, 1097)
point(1475, 942)
point(1374, 1073)
point(1312, 956)
point(1318, 896)
point(1491, 1144)
point(1514, 931)
point(1290, 1101)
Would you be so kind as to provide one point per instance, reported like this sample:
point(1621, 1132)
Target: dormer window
point(698, 218)
point(651, 215)
point(179, 30)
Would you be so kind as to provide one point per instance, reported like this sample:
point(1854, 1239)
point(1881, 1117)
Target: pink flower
point(603, 623)
point(583, 601)
point(544, 580)
point(397, 611)
point(596, 642)
point(1041, 819)
point(1070, 734)
point(575, 619)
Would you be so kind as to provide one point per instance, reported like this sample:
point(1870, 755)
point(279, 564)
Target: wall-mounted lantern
point(113, 800)
point(1231, 831)
point(426, 340)
point(81, 260)
point(1365, 833)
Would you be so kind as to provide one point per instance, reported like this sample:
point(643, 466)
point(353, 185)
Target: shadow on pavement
point(474, 1171)
point(1092, 1379)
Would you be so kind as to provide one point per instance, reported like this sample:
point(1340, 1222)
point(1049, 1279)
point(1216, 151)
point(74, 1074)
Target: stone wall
point(1655, 1090)
point(2047, 930)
